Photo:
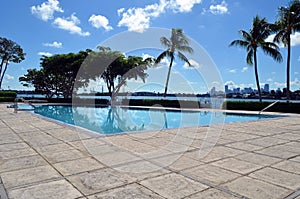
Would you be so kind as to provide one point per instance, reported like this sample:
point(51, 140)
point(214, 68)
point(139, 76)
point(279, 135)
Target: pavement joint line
point(3, 193)
point(293, 195)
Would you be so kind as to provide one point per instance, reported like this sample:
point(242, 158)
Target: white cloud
point(146, 56)
point(46, 10)
point(219, 9)
point(99, 21)
point(295, 40)
point(120, 11)
point(138, 19)
point(183, 5)
point(9, 77)
point(47, 54)
point(244, 69)
point(193, 63)
point(54, 44)
point(270, 80)
point(280, 84)
point(70, 24)
point(232, 70)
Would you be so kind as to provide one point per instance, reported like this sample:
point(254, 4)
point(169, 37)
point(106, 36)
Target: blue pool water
point(111, 120)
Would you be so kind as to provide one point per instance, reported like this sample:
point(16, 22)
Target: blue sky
point(46, 27)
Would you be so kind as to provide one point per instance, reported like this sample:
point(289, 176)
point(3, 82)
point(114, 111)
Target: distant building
point(267, 88)
point(226, 89)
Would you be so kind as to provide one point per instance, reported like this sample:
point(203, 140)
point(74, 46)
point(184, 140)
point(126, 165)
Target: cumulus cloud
point(47, 54)
point(138, 19)
point(232, 70)
point(9, 77)
point(70, 24)
point(183, 5)
point(146, 56)
point(219, 9)
point(244, 69)
point(295, 40)
point(54, 44)
point(231, 85)
point(46, 10)
point(194, 64)
point(99, 21)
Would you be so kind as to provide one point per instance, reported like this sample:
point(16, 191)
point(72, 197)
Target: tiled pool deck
point(44, 159)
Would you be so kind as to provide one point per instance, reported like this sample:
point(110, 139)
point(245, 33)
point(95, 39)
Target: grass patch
point(257, 106)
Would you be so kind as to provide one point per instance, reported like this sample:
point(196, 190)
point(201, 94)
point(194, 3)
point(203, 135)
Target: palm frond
point(249, 58)
point(163, 55)
point(165, 42)
point(185, 49)
point(240, 43)
point(183, 58)
point(273, 52)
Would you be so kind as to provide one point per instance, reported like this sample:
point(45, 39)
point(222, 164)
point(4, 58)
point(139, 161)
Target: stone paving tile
point(244, 146)
point(236, 165)
point(48, 190)
point(27, 176)
point(290, 166)
point(212, 194)
point(9, 138)
point(21, 163)
point(291, 146)
point(127, 192)
point(13, 146)
point(253, 188)
point(258, 159)
point(173, 185)
point(277, 151)
point(38, 139)
point(100, 180)
point(211, 174)
point(60, 156)
point(17, 153)
point(141, 170)
point(266, 141)
point(177, 162)
point(77, 166)
point(288, 136)
point(6, 130)
point(54, 148)
point(213, 153)
point(115, 158)
point(295, 159)
point(278, 177)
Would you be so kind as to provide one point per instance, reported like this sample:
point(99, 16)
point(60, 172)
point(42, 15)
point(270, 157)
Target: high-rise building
point(267, 88)
point(226, 89)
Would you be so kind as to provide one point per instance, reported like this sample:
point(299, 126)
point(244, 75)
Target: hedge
point(257, 106)
point(7, 96)
point(162, 102)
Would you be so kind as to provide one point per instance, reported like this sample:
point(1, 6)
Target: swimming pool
point(113, 120)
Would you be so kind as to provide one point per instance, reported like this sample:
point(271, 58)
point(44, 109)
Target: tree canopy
point(10, 51)
point(56, 75)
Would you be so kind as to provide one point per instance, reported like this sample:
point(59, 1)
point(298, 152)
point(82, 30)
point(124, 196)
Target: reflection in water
point(111, 120)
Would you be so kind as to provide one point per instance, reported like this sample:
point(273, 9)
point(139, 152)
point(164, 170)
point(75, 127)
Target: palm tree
point(254, 39)
point(287, 23)
point(177, 43)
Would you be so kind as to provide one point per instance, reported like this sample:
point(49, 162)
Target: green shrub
point(8, 94)
point(257, 106)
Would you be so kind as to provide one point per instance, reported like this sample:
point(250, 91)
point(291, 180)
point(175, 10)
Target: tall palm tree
point(287, 23)
point(177, 43)
point(255, 39)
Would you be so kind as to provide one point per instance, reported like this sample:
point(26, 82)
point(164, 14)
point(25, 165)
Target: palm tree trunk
point(288, 69)
point(168, 76)
point(2, 75)
point(256, 76)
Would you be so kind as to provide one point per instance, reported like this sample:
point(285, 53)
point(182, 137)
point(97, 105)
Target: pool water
point(112, 120)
